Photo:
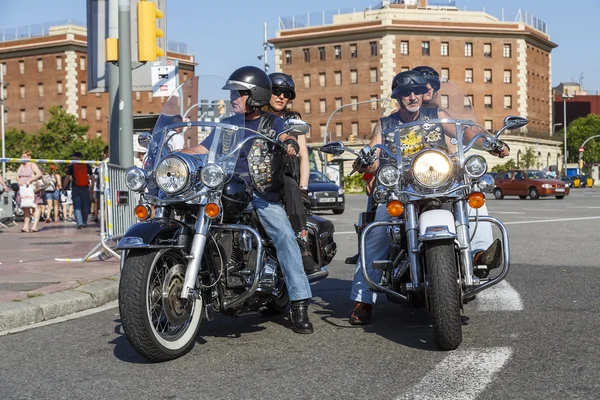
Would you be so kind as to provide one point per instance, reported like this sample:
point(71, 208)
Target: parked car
point(569, 180)
point(532, 183)
point(324, 194)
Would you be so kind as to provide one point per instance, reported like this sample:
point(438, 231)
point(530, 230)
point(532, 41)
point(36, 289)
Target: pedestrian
point(28, 197)
point(52, 194)
point(97, 187)
point(79, 175)
point(176, 141)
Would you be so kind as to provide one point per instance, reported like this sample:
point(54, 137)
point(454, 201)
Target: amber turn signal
point(142, 212)
point(212, 210)
point(395, 208)
point(476, 200)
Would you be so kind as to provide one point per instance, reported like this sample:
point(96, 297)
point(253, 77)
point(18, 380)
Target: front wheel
point(443, 292)
point(157, 322)
point(533, 194)
point(498, 194)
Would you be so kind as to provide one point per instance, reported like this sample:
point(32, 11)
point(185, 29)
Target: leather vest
point(292, 163)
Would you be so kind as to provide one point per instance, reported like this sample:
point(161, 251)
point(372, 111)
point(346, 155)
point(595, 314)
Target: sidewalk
point(35, 286)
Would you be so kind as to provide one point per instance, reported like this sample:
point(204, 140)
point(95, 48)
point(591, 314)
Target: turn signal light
point(395, 208)
point(142, 212)
point(476, 200)
point(212, 210)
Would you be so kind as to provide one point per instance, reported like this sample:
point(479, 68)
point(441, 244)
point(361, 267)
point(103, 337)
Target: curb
point(90, 295)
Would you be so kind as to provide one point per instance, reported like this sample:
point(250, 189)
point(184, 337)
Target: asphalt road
point(533, 337)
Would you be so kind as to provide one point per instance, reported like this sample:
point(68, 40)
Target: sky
point(226, 35)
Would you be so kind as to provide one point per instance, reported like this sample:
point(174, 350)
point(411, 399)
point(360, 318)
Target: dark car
point(324, 194)
point(530, 183)
point(569, 180)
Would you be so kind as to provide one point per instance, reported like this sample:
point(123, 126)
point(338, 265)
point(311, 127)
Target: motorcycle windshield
point(198, 118)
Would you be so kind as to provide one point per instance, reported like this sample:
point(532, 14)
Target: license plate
point(559, 190)
point(331, 200)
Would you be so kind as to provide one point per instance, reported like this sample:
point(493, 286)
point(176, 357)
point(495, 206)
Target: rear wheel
point(498, 194)
point(443, 292)
point(533, 194)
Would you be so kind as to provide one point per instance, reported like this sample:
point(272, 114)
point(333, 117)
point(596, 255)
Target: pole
point(125, 86)
point(266, 47)
point(113, 87)
point(565, 136)
point(2, 118)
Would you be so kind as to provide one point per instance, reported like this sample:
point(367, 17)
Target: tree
point(510, 164)
point(577, 133)
point(17, 141)
point(529, 158)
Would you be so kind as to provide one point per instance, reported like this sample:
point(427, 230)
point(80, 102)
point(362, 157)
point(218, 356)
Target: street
point(534, 336)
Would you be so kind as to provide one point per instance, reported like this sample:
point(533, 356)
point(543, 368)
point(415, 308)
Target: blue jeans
point(378, 244)
point(277, 225)
point(81, 204)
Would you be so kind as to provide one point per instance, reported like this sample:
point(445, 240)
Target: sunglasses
point(416, 91)
point(285, 92)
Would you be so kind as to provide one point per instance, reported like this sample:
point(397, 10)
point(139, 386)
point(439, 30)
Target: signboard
point(581, 149)
point(164, 80)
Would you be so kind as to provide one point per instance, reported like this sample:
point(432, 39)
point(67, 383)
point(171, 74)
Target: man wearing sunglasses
point(408, 89)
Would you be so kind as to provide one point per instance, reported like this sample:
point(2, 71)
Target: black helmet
point(432, 76)
point(253, 80)
point(236, 196)
point(408, 81)
point(283, 81)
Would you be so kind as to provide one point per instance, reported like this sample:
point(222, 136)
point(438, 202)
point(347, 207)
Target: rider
point(433, 84)
point(296, 169)
point(409, 88)
point(250, 89)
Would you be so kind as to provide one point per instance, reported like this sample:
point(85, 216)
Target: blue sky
point(225, 35)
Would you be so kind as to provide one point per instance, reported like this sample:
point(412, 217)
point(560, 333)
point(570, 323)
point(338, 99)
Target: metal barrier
point(6, 209)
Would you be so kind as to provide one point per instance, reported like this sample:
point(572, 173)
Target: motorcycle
point(427, 182)
point(198, 249)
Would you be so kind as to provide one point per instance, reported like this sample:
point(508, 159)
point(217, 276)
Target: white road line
point(463, 375)
point(344, 233)
point(508, 212)
point(580, 207)
point(550, 220)
point(501, 297)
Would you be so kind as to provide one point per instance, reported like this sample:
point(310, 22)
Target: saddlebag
point(320, 232)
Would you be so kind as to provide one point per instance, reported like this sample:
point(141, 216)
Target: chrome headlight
point(431, 168)
point(380, 194)
point(388, 175)
point(135, 179)
point(475, 166)
point(212, 175)
point(172, 175)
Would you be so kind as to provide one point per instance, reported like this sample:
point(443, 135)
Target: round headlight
point(212, 175)
point(388, 175)
point(172, 175)
point(431, 169)
point(135, 179)
point(475, 166)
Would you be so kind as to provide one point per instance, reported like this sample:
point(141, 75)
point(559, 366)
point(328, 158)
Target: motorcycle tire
point(443, 293)
point(278, 305)
point(167, 328)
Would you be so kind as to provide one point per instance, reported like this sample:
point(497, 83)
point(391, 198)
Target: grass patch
point(110, 278)
point(31, 295)
point(17, 300)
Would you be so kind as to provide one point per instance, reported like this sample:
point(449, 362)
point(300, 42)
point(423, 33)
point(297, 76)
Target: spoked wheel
point(157, 322)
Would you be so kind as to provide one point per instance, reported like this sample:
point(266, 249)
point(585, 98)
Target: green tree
point(529, 158)
point(577, 133)
point(17, 141)
point(510, 164)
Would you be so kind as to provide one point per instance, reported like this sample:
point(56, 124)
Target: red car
point(530, 183)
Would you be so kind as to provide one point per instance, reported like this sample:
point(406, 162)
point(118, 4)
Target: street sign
point(164, 80)
point(581, 149)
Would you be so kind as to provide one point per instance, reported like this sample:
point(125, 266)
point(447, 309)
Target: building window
point(445, 101)
point(5, 116)
point(373, 75)
point(150, 98)
point(22, 91)
point(469, 75)
point(306, 55)
point(374, 102)
point(82, 64)
point(487, 50)
point(98, 114)
point(488, 125)
point(322, 81)
point(99, 133)
point(338, 78)
point(83, 112)
point(23, 116)
point(508, 101)
point(353, 51)
point(507, 76)
point(3, 69)
point(468, 49)
point(446, 73)
point(338, 129)
point(322, 129)
point(306, 106)
point(59, 87)
point(288, 56)
point(138, 96)
point(306, 81)
point(22, 67)
point(322, 106)
point(487, 101)
point(445, 49)
point(468, 101)
point(506, 51)
point(338, 103)
point(322, 54)
point(354, 128)
point(404, 47)
point(337, 51)
point(41, 114)
point(425, 48)
point(487, 75)
point(40, 65)
point(354, 101)
point(353, 76)
point(59, 63)
point(4, 92)
point(373, 48)
point(83, 88)
point(373, 125)
point(40, 90)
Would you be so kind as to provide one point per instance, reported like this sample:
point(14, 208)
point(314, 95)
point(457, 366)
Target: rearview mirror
point(296, 127)
point(334, 148)
point(144, 139)
point(515, 122)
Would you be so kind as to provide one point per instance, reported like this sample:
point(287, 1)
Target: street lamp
point(554, 128)
point(565, 97)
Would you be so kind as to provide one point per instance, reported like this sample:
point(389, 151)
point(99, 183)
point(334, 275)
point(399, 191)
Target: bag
point(50, 183)
point(80, 175)
point(27, 194)
point(39, 185)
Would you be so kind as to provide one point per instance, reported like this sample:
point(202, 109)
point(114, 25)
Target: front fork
point(195, 256)
point(461, 216)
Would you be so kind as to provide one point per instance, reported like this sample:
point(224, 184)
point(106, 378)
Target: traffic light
point(580, 165)
point(148, 32)
point(351, 138)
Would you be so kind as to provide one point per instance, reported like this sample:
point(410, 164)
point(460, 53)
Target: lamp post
point(554, 127)
point(565, 97)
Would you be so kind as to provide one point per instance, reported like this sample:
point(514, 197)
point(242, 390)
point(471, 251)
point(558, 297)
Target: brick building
point(504, 67)
point(51, 70)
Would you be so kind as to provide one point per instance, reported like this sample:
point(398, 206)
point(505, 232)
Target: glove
point(294, 145)
point(366, 157)
point(502, 150)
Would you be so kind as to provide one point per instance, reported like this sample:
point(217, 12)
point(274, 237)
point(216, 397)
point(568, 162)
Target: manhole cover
point(50, 243)
point(23, 286)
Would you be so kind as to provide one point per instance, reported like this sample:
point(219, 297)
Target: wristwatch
point(303, 187)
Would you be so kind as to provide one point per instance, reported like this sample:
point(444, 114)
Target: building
point(49, 68)
point(504, 67)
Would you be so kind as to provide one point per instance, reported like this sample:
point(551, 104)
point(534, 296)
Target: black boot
point(299, 317)
point(352, 260)
point(310, 266)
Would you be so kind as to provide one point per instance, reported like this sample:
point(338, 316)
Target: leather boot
point(299, 317)
point(310, 266)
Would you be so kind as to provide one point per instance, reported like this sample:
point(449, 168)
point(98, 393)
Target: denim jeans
point(277, 225)
point(378, 244)
point(81, 204)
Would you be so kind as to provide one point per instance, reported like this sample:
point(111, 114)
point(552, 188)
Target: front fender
point(157, 233)
point(436, 225)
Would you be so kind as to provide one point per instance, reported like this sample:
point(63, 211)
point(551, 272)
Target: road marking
point(463, 375)
point(580, 207)
point(551, 220)
point(344, 233)
point(508, 212)
point(501, 297)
